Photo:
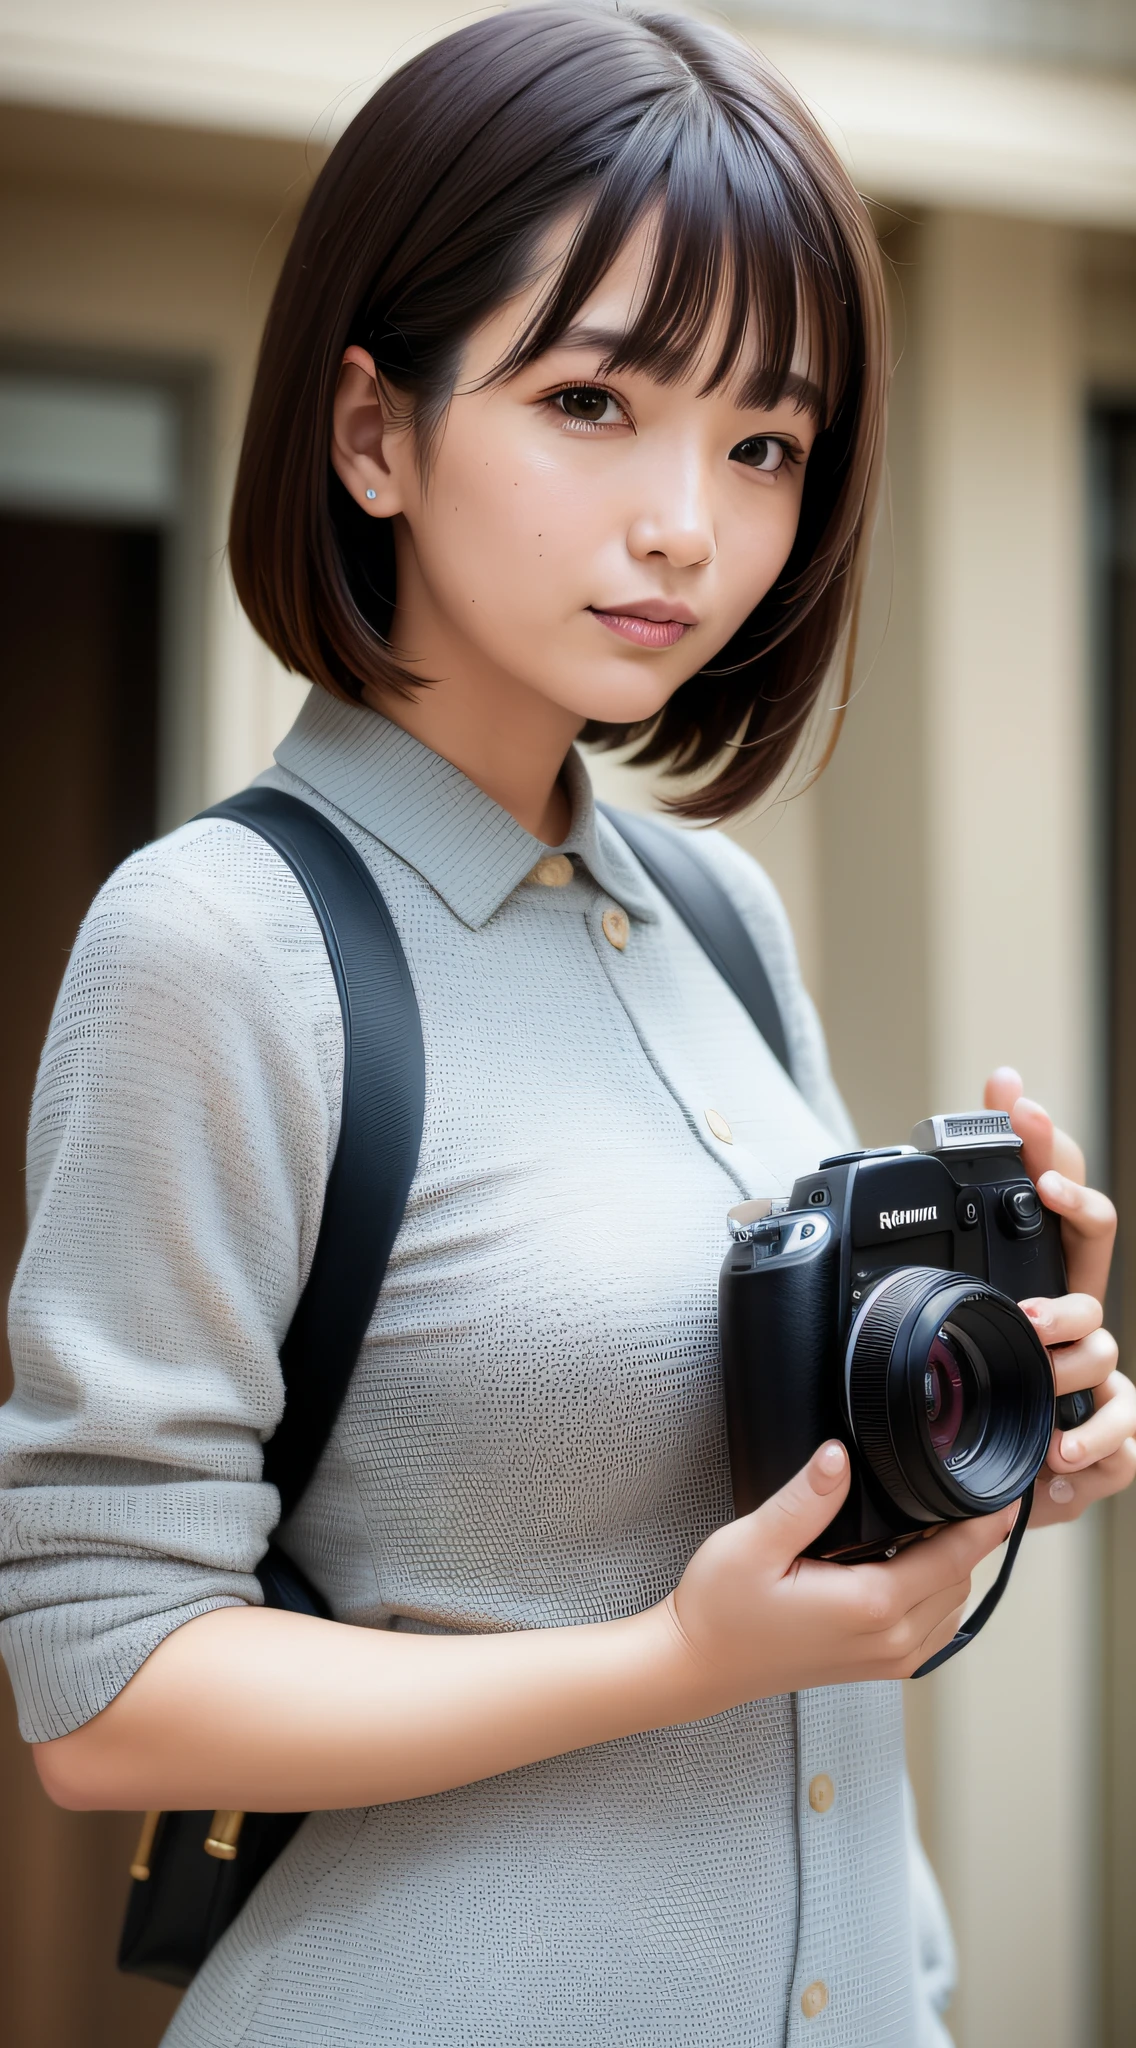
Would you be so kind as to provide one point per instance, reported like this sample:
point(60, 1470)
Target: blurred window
point(100, 450)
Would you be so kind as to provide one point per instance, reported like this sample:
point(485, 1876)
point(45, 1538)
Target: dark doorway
point(80, 628)
point(1115, 493)
point(79, 634)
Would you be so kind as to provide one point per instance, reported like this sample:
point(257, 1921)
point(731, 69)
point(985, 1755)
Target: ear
point(363, 437)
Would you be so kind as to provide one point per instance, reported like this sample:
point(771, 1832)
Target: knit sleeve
point(761, 908)
point(182, 1125)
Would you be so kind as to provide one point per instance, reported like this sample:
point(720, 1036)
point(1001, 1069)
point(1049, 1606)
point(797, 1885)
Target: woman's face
point(593, 538)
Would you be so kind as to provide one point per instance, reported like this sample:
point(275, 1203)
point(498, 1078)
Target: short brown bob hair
point(429, 215)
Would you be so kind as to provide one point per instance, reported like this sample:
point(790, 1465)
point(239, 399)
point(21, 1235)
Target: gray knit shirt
point(533, 1434)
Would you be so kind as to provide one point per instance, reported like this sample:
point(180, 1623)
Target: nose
point(675, 518)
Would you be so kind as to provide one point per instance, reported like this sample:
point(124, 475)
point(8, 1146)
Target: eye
point(759, 452)
point(586, 405)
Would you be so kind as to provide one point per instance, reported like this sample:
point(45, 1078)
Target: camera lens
point(943, 1393)
point(950, 1394)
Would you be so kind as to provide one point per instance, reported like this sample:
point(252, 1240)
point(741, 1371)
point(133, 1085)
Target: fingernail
point(829, 1466)
point(1072, 1449)
point(1053, 1184)
point(1062, 1491)
point(1039, 1313)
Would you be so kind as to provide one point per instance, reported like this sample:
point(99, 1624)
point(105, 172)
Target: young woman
point(567, 422)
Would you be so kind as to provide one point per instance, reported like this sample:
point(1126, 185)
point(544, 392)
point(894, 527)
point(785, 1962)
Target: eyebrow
point(609, 342)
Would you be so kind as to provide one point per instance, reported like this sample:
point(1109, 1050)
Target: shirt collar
point(432, 816)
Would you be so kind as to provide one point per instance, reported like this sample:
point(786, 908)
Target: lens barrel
point(949, 1392)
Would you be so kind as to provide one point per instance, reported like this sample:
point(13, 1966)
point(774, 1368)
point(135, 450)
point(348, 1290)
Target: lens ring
point(997, 1425)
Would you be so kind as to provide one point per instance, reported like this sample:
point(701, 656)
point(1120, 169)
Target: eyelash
point(790, 454)
point(585, 426)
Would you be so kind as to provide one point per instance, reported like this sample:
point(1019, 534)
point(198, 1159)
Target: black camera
point(880, 1306)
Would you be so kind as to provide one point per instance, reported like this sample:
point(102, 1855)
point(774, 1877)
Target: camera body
point(880, 1306)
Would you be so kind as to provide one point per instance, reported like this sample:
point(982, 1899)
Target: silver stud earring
point(372, 494)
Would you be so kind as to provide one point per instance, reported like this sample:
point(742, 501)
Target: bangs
point(741, 249)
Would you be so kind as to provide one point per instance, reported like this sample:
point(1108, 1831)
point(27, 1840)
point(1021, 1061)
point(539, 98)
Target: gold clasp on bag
point(221, 1841)
point(140, 1868)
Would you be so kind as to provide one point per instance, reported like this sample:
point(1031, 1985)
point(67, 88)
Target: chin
point(626, 701)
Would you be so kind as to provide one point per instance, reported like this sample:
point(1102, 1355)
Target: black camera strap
point(977, 1621)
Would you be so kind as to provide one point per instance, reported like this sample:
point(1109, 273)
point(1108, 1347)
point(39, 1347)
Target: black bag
point(193, 1872)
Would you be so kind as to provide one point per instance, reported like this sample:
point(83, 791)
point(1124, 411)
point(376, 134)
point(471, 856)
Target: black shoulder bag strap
point(193, 1871)
point(384, 1093)
point(705, 907)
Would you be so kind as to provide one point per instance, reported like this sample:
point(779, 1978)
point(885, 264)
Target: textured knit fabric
point(533, 1435)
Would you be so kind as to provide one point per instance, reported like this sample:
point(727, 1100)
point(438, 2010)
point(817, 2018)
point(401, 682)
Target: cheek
point(510, 523)
point(753, 549)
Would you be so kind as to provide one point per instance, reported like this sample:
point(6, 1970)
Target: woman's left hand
point(1099, 1457)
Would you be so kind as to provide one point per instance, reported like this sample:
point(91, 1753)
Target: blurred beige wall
point(940, 877)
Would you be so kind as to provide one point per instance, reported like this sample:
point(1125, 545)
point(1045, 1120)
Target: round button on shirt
point(533, 1435)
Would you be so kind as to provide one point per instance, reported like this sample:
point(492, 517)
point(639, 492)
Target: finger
point(1063, 1318)
point(789, 1521)
point(1032, 1123)
point(1088, 1230)
point(1002, 1090)
point(1061, 1498)
point(935, 1640)
point(1088, 1364)
point(935, 1618)
point(1043, 1145)
point(1090, 1213)
point(881, 1594)
point(1103, 1433)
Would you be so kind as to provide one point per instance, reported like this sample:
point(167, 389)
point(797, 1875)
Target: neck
point(512, 753)
point(502, 734)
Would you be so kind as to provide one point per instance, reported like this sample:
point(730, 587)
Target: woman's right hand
point(757, 1617)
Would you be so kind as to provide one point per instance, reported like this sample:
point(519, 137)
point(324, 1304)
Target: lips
point(651, 622)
